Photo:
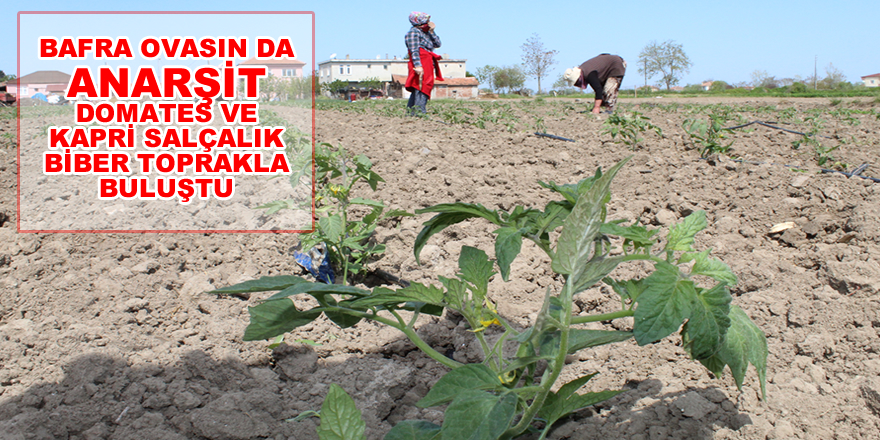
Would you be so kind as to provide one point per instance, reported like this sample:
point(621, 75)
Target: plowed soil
point(111, 336)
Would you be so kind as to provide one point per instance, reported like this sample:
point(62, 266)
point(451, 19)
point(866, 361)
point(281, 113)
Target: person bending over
point(603, 74)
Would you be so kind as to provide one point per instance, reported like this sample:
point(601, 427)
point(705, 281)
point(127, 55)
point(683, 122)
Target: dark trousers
point(417, 99)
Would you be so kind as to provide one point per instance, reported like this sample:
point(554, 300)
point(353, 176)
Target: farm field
point(112, 336)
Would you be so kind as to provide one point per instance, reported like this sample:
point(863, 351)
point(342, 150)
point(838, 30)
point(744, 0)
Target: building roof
point(285, 62)
point(876, 75)
point(43, 77)
point(469, 81)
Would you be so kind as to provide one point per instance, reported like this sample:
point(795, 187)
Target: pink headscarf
point(419, 18)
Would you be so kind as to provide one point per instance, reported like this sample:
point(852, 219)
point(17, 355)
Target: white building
point(872, 80)
point(387, 70)
point(355, 70)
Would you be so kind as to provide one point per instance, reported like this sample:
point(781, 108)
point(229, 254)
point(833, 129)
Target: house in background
point(38, 82)
point(356, 70)
point(279, 70)
point(872, 80)
point(389, 70)
point(287, 68)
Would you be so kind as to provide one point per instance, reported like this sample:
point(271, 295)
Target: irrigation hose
point(551, 136)
point(766, 124)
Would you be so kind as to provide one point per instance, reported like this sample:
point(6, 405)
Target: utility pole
point(815, 73)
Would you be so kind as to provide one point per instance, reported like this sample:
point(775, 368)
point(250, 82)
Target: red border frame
point(142, 231)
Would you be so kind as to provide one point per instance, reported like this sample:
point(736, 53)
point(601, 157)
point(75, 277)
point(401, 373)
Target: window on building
point(341, 70)
point(368, 66)
point(348, 69)
point(385, 66)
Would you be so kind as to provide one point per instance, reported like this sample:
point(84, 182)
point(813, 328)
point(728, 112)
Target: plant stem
point(602, 317)
point(342, 248)
point(409, 332)
point(487, 352)
point(557, 363)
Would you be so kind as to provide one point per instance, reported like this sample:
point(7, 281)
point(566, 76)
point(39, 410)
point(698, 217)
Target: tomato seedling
point(504, 396)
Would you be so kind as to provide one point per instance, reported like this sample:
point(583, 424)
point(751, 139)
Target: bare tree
point(834, 77)
point(537, 60)
point(486, 76)
point(760, 78)
point(667, 58)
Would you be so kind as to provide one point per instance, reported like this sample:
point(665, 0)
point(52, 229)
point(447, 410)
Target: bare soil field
point(112, 336)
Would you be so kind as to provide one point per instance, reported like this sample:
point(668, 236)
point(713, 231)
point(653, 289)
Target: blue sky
point(724, 40)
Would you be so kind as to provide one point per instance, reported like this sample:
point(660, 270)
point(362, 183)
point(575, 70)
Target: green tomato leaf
point(427, 309)
point(570, 388)
point(566, 401)
point(569, 191)
point(261, 285)
point(276, 317)
point(448, 215)
point(363, 162)
point(332, 227)
point(713, 268)
point(341, 318)
point(597, 269)
point(370, 219)
point(318, 290)
point(373, 180)
point(340, 418)
point(681, 236)
point(456, 292)
point(708, 322)
point(415, 292)
point(634, 235)
point(399, 213)
point(664, 304)
point(629, 289)
point(579, 339)
point(744, 343)
point(368, 202)
point(476, 268)
point(414, 430)
point(478, 415)
point(553, 216)
point(468, 377)
point(581, 226)
point(508, 244)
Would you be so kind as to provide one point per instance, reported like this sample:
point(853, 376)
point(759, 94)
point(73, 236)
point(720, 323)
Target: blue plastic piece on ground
point(323, 273)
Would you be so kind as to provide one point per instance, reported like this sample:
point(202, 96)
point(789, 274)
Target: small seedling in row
point(628, 127)
point(709, 135)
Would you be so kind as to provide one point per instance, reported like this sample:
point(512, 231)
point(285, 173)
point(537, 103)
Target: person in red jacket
point(603, 74)
point(423, 67)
